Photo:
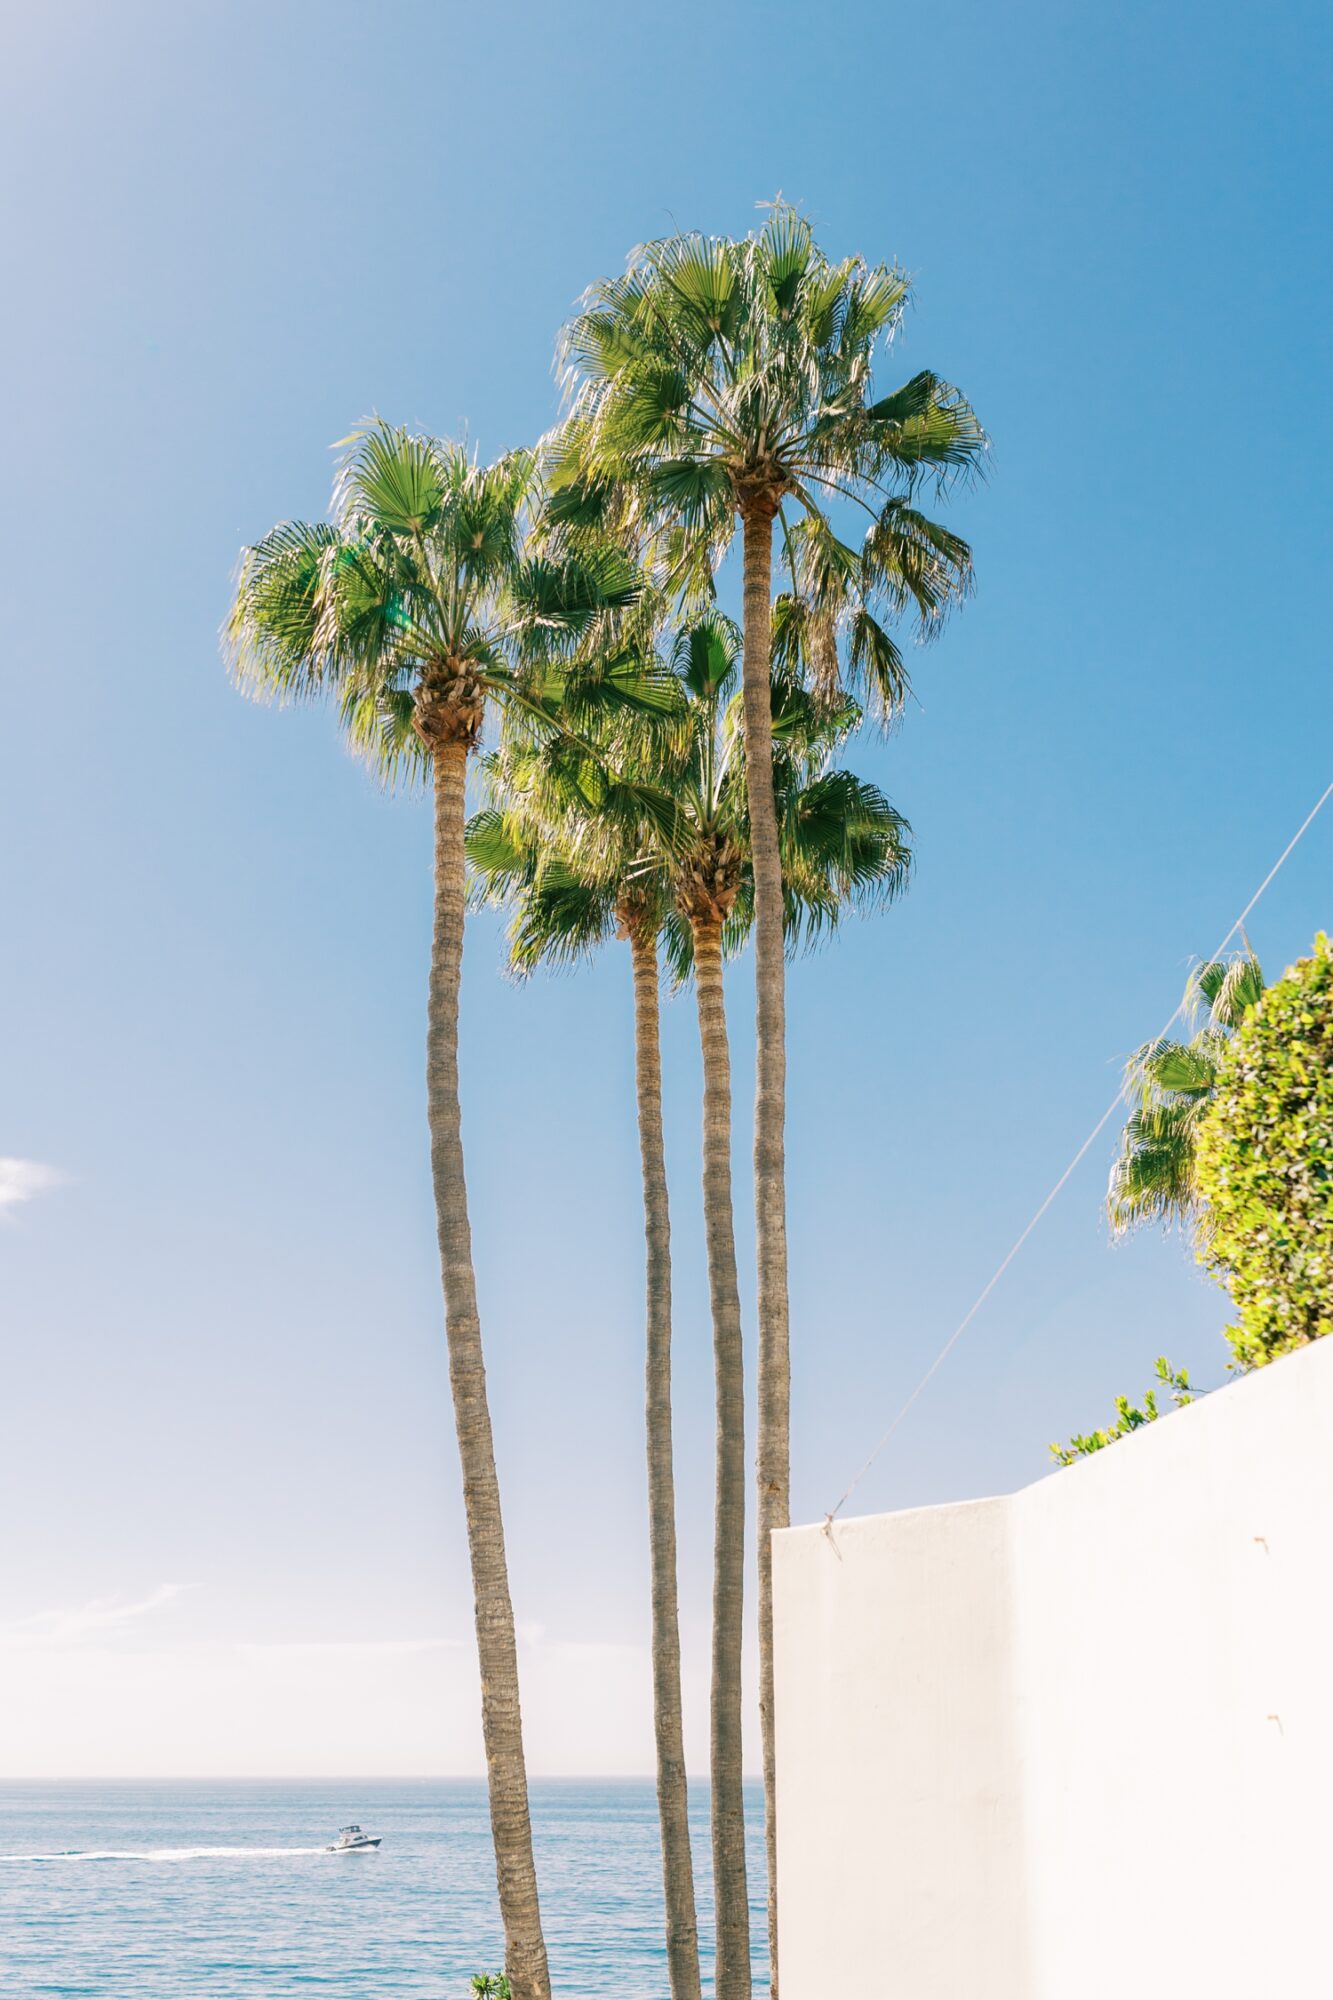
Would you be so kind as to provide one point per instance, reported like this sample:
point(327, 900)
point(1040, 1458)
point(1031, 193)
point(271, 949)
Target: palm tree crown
point(652, 826)
point(418, 603)
point(718, 379)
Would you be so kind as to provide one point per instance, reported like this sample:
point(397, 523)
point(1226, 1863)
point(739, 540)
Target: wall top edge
point(1291, 1375)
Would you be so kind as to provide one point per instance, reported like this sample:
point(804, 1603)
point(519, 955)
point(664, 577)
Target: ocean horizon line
point(348, 1778)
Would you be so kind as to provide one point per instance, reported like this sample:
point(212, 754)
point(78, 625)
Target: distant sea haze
point(199, 1891)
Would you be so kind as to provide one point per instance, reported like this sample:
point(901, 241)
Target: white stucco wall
point(1075, 1742)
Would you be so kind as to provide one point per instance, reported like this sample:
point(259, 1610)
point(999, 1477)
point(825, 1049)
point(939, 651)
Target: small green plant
point(490, 1986)
point(1265, 1166)
point(1128, 1417)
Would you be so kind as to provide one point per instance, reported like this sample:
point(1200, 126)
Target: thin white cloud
point(20, 1180)
point(78, 1622)
point(73, 1625)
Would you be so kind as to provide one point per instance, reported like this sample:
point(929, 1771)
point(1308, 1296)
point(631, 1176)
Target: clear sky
point(230, 1532)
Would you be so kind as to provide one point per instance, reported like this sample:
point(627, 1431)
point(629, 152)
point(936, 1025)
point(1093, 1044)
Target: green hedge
point(1265, 1166)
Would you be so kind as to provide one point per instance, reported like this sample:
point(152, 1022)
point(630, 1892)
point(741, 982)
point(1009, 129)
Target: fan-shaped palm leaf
point(1169, 1086)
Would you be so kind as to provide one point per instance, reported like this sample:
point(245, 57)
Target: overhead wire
point(944, 1352)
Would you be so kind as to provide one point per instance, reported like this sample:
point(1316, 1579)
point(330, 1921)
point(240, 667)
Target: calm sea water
point(223, 1891)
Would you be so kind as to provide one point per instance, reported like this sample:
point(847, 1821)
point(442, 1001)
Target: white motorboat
point(351, 1840)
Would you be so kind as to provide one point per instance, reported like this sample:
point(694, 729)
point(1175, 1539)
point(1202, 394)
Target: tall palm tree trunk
point(682, 1932)
point(502, 1726)
point(731, 1894)
point(770, 1111)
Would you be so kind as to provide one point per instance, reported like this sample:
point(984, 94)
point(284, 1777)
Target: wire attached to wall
point(1076, 1162)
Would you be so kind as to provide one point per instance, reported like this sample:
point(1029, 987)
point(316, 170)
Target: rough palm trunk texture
point(770, 1110)
point(682, 1932)
point(525, 1949)
point(728, 1800)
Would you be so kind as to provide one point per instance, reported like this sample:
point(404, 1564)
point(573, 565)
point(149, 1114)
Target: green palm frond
point(275, 636)
point(707, 653)
point(845, 849)
point(697, 491)
point(788, 249)
point(562, 908)
point(1228, 987)
point(940, 434)
point(1169, 1086)
point(1153, 1179)
point(677, 942)
point(390, 478)
point(499, 858)
point(915, 399)
point(562, 919)
point(1175, 1069)
point(876, 669)
point(379, 725)
point(912, 563)
point(555, 603)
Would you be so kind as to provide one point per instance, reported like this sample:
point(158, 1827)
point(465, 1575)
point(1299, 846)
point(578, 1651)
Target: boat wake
point(165, 1854)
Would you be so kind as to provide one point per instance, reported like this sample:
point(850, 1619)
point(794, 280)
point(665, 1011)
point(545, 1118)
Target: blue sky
point(232, 1536)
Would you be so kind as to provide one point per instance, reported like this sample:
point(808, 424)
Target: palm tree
point(416, 607)
point(707, 881)
point(839, 842)
point(1170, 1086)
point(567, 901)
point(723, 381)
point(674, 821)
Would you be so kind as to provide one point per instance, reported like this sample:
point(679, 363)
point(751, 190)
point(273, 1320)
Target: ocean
point(223, 1891)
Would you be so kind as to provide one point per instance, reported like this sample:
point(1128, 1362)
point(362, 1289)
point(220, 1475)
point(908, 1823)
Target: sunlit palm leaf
point(1170, 1086)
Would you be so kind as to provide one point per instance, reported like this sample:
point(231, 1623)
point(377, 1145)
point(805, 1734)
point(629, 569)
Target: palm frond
point(788, 248)
point(1229, 987)
point(389, 477)
point(1169, 1086)
point(876, 667)
point(561, 920)
point(276, 637)
point(911, 562)
point(379, 724)
point(1153, 1176)
point(706, 653)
